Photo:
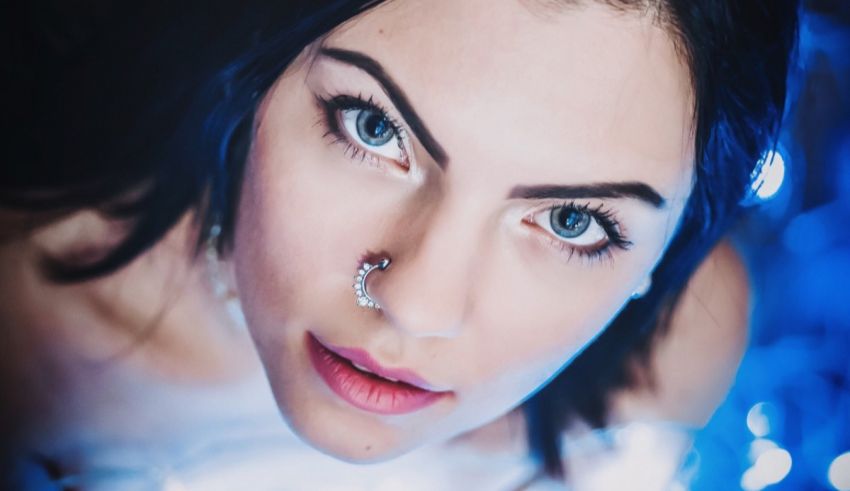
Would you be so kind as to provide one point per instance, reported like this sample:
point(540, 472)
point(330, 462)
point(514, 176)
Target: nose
point(427, 289)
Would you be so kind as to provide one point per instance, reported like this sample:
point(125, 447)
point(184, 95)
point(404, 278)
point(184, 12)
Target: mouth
point(357, 379)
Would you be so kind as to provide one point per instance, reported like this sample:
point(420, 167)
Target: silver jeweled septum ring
point(363, 298)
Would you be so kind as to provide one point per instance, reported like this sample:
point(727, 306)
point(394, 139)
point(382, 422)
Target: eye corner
point(528, 219)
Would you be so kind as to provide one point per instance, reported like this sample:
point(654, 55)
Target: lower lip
point(364, 390)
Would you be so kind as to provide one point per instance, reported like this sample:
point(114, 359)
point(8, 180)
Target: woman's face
point(523, 167)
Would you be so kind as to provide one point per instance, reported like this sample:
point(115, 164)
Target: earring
point(642, 288)
point(219, 286)
point(360, 289)
point(217, 281)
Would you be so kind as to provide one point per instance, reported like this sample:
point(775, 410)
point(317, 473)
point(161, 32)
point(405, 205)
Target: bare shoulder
point(694, 364)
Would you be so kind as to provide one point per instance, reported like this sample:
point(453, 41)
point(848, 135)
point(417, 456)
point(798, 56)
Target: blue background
point(792, 391)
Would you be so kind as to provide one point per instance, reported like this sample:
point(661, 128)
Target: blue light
point(757, 421)
point(770, 175)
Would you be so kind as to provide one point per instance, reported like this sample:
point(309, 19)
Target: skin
point(477, 300)
point(83, 378)
point(96, 362)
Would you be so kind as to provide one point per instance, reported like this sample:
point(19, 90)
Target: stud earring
point(642, 288)
point(360, 288)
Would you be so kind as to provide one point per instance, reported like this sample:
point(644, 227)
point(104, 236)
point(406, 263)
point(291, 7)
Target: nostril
point(373, 257)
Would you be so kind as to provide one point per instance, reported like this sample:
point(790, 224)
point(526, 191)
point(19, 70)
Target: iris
point(569, 222)
point(374, 128)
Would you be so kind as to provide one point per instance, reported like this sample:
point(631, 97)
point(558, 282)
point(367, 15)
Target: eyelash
point(332, 106)
point(604, 217)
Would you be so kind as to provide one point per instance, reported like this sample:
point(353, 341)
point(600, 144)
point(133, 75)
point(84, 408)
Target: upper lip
point(364, 359)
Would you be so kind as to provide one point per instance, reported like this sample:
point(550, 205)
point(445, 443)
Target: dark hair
point(157, 102)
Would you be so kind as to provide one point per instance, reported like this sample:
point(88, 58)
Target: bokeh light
point(770, 468)
point(758, 421)
point(785, 424)
point(839, 472)
point(770, 175)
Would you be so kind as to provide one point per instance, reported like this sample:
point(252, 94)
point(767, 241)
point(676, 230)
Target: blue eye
point(373, 128)
point(372, 131)
point(579, 229)
point(569, 223)
point(367, 131)
point(577, 226)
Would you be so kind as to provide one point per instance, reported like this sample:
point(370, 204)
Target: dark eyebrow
point(396, 95)
point(636, 190)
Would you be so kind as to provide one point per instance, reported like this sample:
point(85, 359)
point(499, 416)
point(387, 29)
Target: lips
point(357, 378)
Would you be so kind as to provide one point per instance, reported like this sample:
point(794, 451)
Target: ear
point(644, 287)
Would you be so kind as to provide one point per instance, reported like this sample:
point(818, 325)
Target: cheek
point(527, 325)
point(517, 350)
point(553, 332)
point(279, 235)
point(284, 238)
point(535, 315)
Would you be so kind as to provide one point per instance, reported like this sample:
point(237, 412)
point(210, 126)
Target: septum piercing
point(363, 298)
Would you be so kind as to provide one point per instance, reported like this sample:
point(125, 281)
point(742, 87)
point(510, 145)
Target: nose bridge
point(426, 291)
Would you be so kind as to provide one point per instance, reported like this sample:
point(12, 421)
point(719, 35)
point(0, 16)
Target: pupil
point(376, 126)
point(569, 222)
point(572, 220)
point(373, 128)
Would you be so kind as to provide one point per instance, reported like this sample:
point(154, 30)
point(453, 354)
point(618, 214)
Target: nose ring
point(360, 290)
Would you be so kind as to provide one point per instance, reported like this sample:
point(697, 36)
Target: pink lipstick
point(357, 378)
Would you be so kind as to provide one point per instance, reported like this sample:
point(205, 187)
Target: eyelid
point(333, 107)
point(593, 234)
point(615, 237)
point(348, 102)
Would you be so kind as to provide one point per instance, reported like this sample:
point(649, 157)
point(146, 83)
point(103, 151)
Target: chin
point(353, 447)
point(361, 456)
point(345, 435)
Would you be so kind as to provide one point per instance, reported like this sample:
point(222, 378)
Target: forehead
point(586, 92)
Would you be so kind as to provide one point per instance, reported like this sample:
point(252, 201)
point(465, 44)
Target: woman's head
point(527, 165)
point(522, 192)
